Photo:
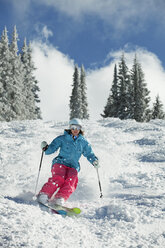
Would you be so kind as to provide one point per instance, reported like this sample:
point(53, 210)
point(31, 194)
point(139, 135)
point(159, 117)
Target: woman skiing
point(65, 166)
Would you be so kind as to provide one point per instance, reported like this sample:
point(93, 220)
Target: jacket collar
point(69, 136)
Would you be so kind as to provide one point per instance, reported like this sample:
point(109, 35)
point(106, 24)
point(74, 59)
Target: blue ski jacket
point(71, 150)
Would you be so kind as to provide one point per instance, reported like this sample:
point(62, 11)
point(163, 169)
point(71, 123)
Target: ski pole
point(39, 172)
point(101, 194)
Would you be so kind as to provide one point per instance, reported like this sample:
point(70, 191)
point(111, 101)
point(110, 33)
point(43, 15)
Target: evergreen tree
point(1, 86)
point(137, 92)
point(1, 83)
point(124, 86)
point(25, 62)
point(17, 97)
point(35, 87)
point(115, 94)
point(108, 107)
point(141, 99)
point(7, 113)
point(18, 86)
point(35, 91)
point(30, 84)
point(76, 99)
point(158, 112)
point(83, 89)
point(129, 96)
point(112, 107)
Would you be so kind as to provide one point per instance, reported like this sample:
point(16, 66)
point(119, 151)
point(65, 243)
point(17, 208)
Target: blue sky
point(89, 32)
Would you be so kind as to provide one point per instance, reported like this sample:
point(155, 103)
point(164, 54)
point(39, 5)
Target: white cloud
point(98, 84)
point(55, 74)
point(43, 31)
point(46, 32)
point(120, 14)
point(117, 17)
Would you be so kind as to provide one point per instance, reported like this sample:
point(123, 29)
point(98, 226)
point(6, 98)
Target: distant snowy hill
point(132, 174)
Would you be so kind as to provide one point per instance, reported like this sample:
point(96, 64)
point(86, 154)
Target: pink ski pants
point(64, 179)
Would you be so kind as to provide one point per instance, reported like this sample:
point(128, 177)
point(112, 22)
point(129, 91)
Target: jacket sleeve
point(88, 153)
point(54, 145)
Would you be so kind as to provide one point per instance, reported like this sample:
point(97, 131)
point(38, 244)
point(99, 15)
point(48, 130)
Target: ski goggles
point(75, 127)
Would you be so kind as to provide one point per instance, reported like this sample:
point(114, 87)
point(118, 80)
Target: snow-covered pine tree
point(108, 107)
point(30, 84)
point(75, 98)
point(35, 91)
point(157, 112)
point(115, 94)
point(24, 59)
point(124, 87)
point(13, 97)
point(112, 107)
point(17, 97)
point(1, 84)
point(83, 88)
point(141, 99)
point(35, 88)
point(137, 93)
point(7, 112)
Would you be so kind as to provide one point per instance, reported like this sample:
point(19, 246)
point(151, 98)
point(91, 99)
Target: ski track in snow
point(132, 174)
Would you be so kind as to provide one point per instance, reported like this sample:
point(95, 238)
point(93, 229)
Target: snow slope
point(132, 173)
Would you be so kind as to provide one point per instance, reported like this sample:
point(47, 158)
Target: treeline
point(129, 96)
point(18, 85)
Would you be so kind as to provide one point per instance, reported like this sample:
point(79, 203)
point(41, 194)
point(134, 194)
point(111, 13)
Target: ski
point(65, 211)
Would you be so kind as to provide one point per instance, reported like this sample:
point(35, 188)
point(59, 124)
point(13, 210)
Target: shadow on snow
point(24, 198)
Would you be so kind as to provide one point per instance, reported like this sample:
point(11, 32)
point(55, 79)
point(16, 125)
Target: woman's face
point(75, 129)
point(75, 132)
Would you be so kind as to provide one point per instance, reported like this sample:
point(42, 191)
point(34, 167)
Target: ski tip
point(77, 210)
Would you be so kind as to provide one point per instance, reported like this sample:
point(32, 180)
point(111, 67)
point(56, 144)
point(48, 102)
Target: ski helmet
point(75, 121)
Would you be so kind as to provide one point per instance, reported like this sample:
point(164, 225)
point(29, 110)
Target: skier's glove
point(96, 164)
point(44, 145)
